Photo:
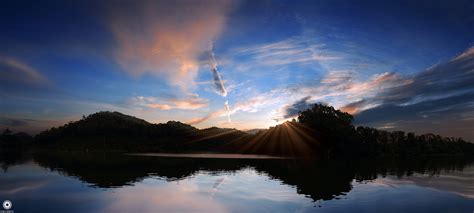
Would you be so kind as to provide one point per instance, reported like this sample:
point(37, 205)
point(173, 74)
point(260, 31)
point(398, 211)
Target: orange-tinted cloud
point(160, 106)
point(207, 117)
point(193, 102)
point(355, 107)
point(165, 38)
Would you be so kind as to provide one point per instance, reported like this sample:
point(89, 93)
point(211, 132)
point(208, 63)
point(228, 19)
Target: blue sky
point(153, 60)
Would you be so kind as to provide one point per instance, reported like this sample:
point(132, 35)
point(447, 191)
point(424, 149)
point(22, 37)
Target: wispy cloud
point(16, 71)
point(437, 99)
point(288, 51)
point(465, 55)
point(29, 125)
point(254, 104)
point(14, 122)
point(442, 81)
point(439, 95)
point(355, 107)
point(212, 115)
point(190, 103)
point(337, 88)
point(165, 38)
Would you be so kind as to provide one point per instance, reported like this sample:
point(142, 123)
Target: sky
point(394, 65)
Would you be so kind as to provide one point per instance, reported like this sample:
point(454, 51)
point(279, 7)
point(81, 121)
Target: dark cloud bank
point(292, 110)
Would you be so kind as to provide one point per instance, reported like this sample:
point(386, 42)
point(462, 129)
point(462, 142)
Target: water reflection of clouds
point(243, 190)
point(27, 182)
point(460, 183)
point(20, 186)
point(268, 189)
point(250, 191)
point(152, 196)
point(246, 189)
point(32, 188)
point(205, 193)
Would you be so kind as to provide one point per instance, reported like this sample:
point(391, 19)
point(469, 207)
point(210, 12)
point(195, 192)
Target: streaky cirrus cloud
point(166, 38)
point(439, 99)
point(251, 105)
point(14, 122)
point(443, 81)
point(16, 71)
point(29, 125)
point(190, 103)
point(337, 84)
point(292, 50)
point(214, 114)
point(337, 88)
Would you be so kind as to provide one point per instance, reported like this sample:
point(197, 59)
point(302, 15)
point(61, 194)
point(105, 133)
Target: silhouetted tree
point(334, 126)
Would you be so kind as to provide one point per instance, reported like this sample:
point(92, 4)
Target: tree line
point(342, 138)
point(321, 131)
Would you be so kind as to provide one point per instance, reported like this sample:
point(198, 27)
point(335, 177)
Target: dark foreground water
point(74, 182)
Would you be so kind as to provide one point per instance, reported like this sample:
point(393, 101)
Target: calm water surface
point(72, 182)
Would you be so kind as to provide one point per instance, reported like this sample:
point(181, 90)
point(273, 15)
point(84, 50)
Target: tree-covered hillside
point(116, 131)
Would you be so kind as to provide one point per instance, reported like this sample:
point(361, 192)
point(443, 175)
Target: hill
point(117, 131)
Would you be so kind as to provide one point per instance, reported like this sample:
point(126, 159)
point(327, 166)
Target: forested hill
point(117, 131)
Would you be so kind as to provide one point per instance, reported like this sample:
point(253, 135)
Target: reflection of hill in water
point(12, 157)
point(318, 180)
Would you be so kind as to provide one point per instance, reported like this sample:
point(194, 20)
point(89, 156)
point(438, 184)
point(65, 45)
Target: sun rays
point(289, 138)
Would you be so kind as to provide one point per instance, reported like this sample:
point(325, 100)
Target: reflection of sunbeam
point(289, 138)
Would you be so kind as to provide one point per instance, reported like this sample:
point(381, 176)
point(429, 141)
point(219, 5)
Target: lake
point(105, 182)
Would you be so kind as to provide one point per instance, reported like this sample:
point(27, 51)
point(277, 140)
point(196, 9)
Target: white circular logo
point(7, 204)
